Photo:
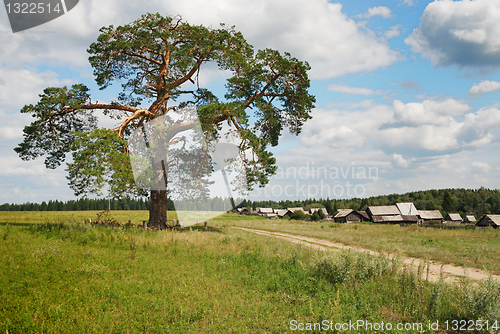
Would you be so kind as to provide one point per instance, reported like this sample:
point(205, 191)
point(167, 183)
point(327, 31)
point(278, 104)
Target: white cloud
point(408, 2)
point(344, 89)
point(22, 86)
point(428, 112)
point(331, 42)
point(383, 11)
point(481, 167)
point(465, 33)
point(12, 125)
point(392, 32)
point(485, 86)
point(400, 161)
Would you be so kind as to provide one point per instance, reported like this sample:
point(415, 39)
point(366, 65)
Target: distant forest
point(464, 201)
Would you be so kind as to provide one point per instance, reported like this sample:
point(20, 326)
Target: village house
point(283, 213)
point(469, 219)
point(311, 211)
point(348, 216)
point(453, 218)
point(297, 209)
point(428, 216)
point(388, 210)
point(489, 220)
point(264, 211)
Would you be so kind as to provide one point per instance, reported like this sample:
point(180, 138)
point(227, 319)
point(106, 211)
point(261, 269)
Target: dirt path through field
point(450, 272)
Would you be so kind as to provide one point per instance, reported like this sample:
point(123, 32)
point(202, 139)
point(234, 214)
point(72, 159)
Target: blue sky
point(407, 89)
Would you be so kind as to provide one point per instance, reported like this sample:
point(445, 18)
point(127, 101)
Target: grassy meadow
point(473, 248)
point(69, 276)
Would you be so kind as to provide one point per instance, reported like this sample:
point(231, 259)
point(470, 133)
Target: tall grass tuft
point(340, 267)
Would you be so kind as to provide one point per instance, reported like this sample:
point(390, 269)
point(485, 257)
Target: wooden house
point(348, 216)
point(311, 211)
point(470, 219)
point(283, 213)
point(453, 218)
point(263, 211)
point(489, 220)
point(428, 216)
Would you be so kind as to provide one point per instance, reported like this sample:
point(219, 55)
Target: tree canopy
point(158, 62)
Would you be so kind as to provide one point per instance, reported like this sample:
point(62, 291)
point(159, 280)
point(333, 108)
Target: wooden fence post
point(206, 227)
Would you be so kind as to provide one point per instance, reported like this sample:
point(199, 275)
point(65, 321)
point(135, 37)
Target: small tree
point(158, 60)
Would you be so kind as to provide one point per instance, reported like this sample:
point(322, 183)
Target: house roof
point(430, 214)
point(343, 213)
point(241, 209)
point(387, 219)
point(364, 214)
point(407, 209)
point(312, 210)
point(470, 218)
point(384, 210)
point(454, 217)
point(266, 210)
point(296, 209)
point(281, 212)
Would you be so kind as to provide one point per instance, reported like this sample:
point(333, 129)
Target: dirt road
point(450, 272)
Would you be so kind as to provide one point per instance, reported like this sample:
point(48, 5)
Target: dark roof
point(364, 214)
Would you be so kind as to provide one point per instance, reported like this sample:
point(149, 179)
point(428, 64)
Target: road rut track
point(450, 272)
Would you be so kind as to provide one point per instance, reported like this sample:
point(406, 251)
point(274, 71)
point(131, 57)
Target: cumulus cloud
point(481, 167)
point(22, 86)
point(464, 33)
point(383, 11)
point(485, 86)
point(428, 112)
point(400, 161)
point(316, 31)
point(392, 32)
point(408, 2)
point(415, 129)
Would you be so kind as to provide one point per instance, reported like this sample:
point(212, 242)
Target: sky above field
point(407, 91)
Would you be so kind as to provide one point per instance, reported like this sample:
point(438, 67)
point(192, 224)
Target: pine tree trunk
point(158, 209)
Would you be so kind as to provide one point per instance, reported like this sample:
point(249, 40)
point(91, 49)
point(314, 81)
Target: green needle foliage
point(157, 60)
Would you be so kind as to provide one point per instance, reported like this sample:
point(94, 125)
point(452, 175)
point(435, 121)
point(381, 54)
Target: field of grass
point(472, 248)
point(74, 277)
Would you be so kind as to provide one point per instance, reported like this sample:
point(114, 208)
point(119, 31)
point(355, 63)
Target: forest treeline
point(464, 201)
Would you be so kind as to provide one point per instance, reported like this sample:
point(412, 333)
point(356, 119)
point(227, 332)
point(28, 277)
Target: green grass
point(473, 248)
point(72, 277)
